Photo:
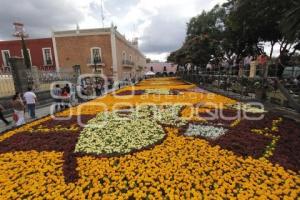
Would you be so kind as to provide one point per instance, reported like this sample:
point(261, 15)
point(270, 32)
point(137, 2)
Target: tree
point(204, 39)
point(259, 21)
point(291, 25)
point(240, 27)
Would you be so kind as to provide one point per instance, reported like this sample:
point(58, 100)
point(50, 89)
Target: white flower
point(118, 136)
point(248, 108)
point(205, 131)
point(109, 132)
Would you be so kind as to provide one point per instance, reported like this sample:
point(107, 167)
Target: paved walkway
point(40, 113)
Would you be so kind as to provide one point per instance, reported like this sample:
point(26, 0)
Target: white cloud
point(160, 24)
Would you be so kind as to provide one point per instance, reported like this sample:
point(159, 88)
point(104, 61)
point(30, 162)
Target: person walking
point(18, 107)
point(2, 116)
point(30, 99)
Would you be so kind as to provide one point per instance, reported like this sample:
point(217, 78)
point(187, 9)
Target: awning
point(149, 73)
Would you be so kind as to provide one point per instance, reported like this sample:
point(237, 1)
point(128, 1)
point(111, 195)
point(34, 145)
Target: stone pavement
point(41, 111)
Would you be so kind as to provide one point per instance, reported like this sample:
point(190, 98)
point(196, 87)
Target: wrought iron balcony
point(127, 63)
point(95, 62)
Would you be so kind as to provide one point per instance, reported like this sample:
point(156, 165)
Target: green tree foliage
point(291, 24)
point(239, 27)
point(203, 40)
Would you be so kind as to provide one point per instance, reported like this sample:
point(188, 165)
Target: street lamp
point(20, 33)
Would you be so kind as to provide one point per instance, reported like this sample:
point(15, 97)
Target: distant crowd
point(255, 64)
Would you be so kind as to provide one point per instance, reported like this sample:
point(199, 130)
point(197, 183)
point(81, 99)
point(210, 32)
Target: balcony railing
point(96, 61)
point(5, 69)
point(47, 68)
point(127, 63)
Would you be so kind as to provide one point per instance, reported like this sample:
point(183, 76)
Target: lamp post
point(20, 33)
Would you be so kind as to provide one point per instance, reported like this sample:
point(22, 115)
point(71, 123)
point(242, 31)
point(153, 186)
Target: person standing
point(262, 63)
point(253, 67)
point(18, 107)
point(89, 90)
point(66, 98)
point(73, 95)
point(79, 93)
point(98, 89)
point(209, 67)
point(30, 99)
point(2, 116)
point(67, 88)
point(247, 62)
point(56, 92)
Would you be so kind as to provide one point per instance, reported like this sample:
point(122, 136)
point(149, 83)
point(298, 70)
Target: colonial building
point(102, 50)
point(40, 52)
point(160, 68)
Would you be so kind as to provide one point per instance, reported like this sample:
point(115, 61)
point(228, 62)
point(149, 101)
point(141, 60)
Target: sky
point(160, 25)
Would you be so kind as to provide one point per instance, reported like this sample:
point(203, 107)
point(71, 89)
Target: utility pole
point(20, 33)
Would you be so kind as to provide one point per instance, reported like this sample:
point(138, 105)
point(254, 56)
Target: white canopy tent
point(149, 73)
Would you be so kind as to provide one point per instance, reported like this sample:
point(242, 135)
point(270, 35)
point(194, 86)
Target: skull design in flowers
point(113, 133)
point(107, 134)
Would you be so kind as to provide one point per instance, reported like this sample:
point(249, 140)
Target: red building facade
point(41, 53)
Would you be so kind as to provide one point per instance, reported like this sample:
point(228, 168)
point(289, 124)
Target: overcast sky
point(160, 25)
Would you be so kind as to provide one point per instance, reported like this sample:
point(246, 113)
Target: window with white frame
point(47, 56)
point(96, 55)
point(29, 54)
point(5, 57)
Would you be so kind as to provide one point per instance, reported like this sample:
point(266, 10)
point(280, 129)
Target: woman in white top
point(18, 107)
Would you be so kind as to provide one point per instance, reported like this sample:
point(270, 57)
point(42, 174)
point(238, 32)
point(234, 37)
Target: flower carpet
point(160, 139)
